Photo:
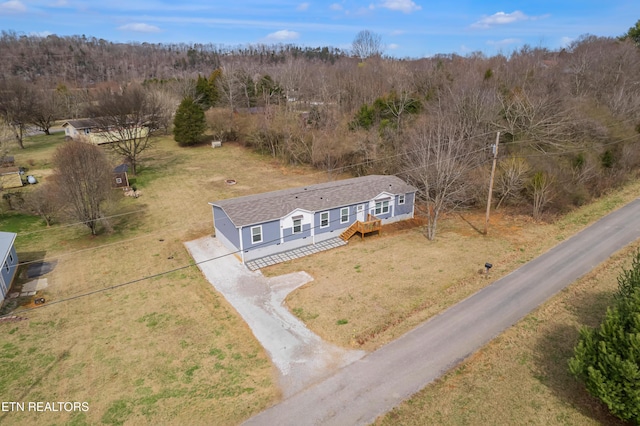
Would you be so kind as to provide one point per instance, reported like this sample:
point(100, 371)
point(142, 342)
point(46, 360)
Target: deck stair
point(371, 225)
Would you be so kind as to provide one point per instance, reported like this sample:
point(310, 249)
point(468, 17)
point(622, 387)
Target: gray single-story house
point(9, 264)
point(260, 225)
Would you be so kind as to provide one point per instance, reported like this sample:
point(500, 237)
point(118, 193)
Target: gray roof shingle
point(274, 205)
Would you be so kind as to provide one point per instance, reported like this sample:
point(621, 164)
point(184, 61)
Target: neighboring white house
point(264, 224)
point(90, 129)
point(8, 262)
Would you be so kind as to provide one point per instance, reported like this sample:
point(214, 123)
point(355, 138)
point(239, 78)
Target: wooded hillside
point(569, 120)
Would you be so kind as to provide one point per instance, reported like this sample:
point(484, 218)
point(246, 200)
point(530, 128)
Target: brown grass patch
point(169, 350)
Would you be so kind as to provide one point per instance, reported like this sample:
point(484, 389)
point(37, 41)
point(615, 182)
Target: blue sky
point(409, 28)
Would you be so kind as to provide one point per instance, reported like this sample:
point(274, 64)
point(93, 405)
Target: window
point(10, 258)
point(401, 199)
point(382, 207)
point(297, 226)
point(6, 266)
point(87, 131)
point(118, 180)
point(324, 219)
point(256, 234)
point(344, 214)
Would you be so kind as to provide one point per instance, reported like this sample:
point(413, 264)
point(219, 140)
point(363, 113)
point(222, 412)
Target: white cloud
point(501, 18)
point(566, 41)
point(41, 33)
point(303, 6)
point(140, 28)
point(283, 35)
point(12, 6)
point(504, 42)
point(335, 6)
point(393, 46)
point(406, 6)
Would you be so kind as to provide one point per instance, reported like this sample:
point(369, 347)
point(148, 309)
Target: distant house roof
point(273, 205)
point(122, 168)
point(86, 123)
point(6, 242)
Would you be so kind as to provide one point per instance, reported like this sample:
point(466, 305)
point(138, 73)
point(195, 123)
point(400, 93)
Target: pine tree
point(607, 359)
point(189, 123)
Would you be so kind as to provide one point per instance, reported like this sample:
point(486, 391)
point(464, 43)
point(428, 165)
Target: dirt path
point(301, 357)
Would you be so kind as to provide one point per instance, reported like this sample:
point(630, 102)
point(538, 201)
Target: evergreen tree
point(607, 359)
point(189, 123)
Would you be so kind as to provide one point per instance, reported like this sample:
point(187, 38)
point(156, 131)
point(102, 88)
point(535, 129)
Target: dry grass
point(385, 285)
point(522, 377)
point(167, 349)
point(170, 350)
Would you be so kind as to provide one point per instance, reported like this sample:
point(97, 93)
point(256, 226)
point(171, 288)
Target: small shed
point(10, 177)
point(120, 178)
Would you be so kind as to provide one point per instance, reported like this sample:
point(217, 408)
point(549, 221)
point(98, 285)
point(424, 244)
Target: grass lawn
point(169, 350)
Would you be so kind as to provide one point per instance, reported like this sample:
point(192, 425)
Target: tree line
point(568, 120)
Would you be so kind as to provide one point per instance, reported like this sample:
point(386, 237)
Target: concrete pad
point(35, 285)
point(301, 357)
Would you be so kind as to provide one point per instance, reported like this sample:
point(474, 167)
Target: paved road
point(360, 392)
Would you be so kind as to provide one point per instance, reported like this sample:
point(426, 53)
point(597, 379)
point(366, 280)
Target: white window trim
point(401, 198)
point(294, 226)
point(342, 215)
point(382, 207)
point(118, 180)
point(321, 220)
point(252, 235)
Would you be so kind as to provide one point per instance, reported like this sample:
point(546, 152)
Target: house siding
point(334, 222)
point(288, 235)
point(270, 235)
point(9, 266)
point(225, 229)
point(407, 207)
point(275, 213)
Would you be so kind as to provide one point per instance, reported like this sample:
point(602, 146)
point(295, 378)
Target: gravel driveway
point(301, 357)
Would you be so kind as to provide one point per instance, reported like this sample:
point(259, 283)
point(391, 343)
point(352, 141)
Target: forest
point(564, 125)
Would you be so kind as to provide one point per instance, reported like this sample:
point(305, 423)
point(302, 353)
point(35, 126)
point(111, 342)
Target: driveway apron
point(301, 357)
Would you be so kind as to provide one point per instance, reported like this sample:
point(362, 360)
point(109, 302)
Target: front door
point(360, 213)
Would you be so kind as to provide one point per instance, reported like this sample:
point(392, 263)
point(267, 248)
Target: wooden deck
point(372, 224)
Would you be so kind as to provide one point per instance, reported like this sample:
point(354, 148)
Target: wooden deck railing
point(372, 224)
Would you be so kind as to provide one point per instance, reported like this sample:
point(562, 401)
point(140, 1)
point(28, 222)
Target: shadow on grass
point(555, 347)
point(478, 230)
point(40, 377)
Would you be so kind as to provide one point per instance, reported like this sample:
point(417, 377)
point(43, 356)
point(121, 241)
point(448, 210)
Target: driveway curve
point(362, 391)
point(301, 356)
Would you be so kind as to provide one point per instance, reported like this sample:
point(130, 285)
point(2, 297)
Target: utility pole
point(493, 171)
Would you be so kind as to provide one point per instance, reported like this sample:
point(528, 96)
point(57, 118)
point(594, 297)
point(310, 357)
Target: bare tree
point(17, 104)
point(438, 162)
point(46, 109)
point(367, 44)
point(125, 119)
point(43, 202)
point(541, 186)
point(82, 179)
point(511, 179)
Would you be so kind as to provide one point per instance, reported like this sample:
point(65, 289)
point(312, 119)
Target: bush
point(607, 359)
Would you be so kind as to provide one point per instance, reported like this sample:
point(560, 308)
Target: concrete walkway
point(301, 357)
point(295, 253)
